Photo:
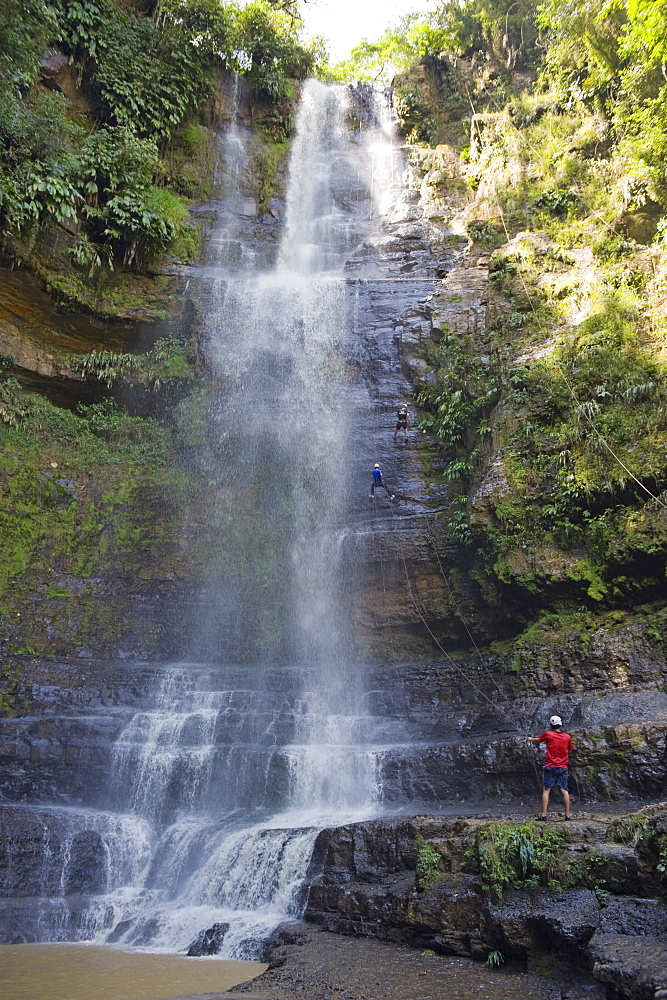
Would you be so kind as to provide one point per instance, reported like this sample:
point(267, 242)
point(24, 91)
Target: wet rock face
point(632, 967)
point(366, 881)
point(69, 713)
point(58, 73)
point(634, 917)
point(209, 942)
point(45, 856)
point(535, 921)
point(38, 335)
point(455, 746)
point(59, 758)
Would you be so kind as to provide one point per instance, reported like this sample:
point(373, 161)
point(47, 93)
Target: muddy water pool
point(87, 972)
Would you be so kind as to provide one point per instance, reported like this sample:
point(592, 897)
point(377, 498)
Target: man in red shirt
point(556, 761)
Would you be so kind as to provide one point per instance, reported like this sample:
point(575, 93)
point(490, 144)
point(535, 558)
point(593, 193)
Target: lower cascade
point(221, 781)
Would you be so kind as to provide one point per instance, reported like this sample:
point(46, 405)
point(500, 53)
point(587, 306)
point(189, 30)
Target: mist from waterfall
point(222, 782)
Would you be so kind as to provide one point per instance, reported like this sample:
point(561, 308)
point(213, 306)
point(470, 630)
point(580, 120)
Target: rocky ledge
point(588, 893)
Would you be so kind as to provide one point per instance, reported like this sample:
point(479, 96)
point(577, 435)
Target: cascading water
point(277, 344)
point(221, 785)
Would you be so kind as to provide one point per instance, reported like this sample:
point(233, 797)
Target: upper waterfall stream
point(221, 782)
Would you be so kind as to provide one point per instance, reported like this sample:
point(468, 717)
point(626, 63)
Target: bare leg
point(545, 800)
point(566, 801)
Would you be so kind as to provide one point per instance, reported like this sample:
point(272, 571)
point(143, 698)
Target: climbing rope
point(424, 621)
point(431, 537)
point(382, 574)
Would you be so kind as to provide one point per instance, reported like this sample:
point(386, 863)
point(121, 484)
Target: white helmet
point(377, 465)
point(555, 720)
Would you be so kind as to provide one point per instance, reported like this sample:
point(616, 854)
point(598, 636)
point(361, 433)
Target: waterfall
point(221, 782)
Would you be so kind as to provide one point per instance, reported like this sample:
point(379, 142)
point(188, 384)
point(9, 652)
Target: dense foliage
point(550, 422)
point(609, 55)
point(503, 30)
point(102, 174)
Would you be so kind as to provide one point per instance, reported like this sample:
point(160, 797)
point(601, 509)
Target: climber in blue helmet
point(378, 480)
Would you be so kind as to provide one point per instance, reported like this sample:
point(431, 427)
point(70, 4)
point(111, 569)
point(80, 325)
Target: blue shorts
point(555, 776)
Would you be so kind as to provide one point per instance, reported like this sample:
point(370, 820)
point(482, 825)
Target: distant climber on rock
point(402, 421)
point(378, 480)
point(556, 763)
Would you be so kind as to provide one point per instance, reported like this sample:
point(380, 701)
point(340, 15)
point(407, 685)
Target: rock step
point(437, 742)
point(449, 886)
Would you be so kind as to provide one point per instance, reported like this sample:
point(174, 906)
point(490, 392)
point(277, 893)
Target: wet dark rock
point(618, 868)
point(358, 968)
point(119, 930)
point(539, 920)
point(86, 868)
point(632, 967)
point(21, 922)
point(636, 917)
point(275, 948)
point(364, 883)
point(454, 747)
point(208, 942)
point(56, 758)
point(49, 853)
point(453, 908)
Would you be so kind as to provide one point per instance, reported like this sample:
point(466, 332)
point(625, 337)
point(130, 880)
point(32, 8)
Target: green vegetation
point(89, 497)
point(661, 866)
point(117, 177)
point(556, 112)
point(96, 176)
point(505, 31)
point(457, 404)
point(267, 158)
point(68, 482)
point(167, 362)
point(592, 411)
point(428, 865)
point(510, 857)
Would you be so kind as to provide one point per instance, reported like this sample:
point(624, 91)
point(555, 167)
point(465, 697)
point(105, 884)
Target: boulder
point(617, 868)
point(208, 942)
point(633, 967)
point(539, 920)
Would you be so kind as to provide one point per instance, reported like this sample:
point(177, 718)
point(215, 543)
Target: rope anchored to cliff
point(416, 605)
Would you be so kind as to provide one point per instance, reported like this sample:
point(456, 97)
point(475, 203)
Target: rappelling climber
point(402, 421)
point(378, 480)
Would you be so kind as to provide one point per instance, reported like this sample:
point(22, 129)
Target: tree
point(583, 46)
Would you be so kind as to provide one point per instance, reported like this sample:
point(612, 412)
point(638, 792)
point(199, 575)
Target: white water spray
point(222, 784)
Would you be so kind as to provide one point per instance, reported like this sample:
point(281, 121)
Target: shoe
point(541, 819)
point(392, 497)
point(567, 818)
point(371, 497)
